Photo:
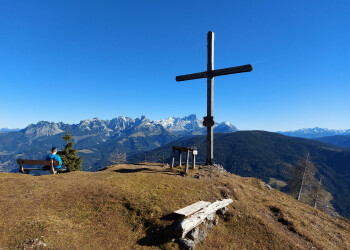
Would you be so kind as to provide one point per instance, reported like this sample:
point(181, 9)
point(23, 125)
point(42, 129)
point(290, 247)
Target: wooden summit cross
point(210, 74)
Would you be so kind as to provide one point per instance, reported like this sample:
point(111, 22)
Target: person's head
point(54, 150)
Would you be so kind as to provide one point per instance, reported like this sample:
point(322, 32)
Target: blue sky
point(73, 60)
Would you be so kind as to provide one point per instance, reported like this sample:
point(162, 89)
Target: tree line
point(306, 185)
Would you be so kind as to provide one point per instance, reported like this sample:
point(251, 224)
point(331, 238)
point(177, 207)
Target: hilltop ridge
point(126, 206)
point(268, 156)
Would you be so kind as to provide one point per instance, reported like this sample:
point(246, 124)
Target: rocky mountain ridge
point(96, 139)
point(189, 125)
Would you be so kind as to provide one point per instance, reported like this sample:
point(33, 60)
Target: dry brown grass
point(124, 207)
point(277, 183)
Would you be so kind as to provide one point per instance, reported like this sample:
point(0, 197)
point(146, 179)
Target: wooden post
point(193, 161)
point(180, 163)
point(208, 121)
point(187, 158)
point(172, 158)
point(52, 167)
point(210, 97)
point(20, 166)
point(194, 153)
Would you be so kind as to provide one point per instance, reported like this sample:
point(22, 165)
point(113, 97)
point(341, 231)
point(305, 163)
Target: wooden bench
point(196, 213)
point(186, 211)
point(51, 163)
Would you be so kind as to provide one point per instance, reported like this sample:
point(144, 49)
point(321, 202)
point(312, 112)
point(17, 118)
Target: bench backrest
point(37, 162)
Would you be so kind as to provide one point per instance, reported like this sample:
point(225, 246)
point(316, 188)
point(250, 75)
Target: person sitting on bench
point(55, 157)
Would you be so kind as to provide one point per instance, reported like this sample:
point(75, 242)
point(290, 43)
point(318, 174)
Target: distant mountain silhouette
point(6, 130)
point(316, 132)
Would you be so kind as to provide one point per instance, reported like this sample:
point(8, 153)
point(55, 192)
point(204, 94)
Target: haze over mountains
point(337, 137)
point(316, 132)
point(6, 130)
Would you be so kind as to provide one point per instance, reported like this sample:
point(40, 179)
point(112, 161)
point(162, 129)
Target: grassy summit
point(125, 206)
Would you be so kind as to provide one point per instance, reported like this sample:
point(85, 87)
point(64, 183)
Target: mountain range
point(96, 139)
point(189, 125)
point(316, 132)
point(179, 125)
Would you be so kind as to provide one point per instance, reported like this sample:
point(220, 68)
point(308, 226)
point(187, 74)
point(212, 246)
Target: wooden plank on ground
point(197, 218)
point(186, 211)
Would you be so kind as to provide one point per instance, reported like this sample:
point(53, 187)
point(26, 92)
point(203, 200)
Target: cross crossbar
point(217, 72)
point(208, 121)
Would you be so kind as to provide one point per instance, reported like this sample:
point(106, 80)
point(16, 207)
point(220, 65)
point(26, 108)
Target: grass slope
point(125, 206)
point(266, 155)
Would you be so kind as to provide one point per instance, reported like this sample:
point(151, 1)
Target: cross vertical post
point(208, 120)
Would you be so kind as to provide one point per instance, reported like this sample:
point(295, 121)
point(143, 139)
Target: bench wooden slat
point(186, 211)
point(184, 149)
point(37, 162)
point(32, 169)
point(197, 218)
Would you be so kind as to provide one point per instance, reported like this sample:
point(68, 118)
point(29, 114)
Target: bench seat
point(50, 163)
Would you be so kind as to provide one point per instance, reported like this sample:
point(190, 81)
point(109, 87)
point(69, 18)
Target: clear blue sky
point(73, 60)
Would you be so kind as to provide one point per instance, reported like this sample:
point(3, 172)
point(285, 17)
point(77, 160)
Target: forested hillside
point(338, 140)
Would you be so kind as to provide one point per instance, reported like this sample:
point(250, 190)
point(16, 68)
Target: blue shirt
point(55, 158)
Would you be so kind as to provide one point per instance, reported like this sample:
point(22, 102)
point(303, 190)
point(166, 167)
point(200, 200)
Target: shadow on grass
point(128, 171)
point(147, 170)
point(172, 217)
point(158, 236)
point(146, 164)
